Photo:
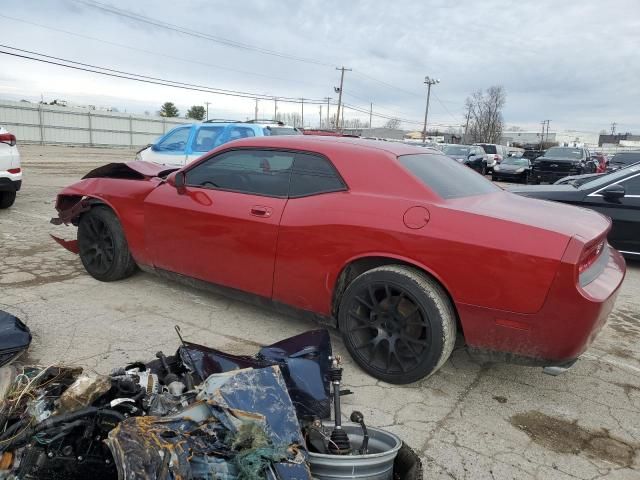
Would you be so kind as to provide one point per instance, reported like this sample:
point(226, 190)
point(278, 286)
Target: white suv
point(495, 154)
point(10, 171)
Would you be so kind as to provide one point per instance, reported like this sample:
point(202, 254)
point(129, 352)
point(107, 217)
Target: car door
point(222, 226)
point(624, 213)
point(203, 140)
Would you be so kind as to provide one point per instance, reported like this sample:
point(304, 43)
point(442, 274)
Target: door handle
point(261, 211)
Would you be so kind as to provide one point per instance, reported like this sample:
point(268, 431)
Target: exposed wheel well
point(361, 265)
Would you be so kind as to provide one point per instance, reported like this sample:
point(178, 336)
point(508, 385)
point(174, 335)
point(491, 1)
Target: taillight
point(14, 170)
point(590, 255)
point(498, 158)
point(8, 138)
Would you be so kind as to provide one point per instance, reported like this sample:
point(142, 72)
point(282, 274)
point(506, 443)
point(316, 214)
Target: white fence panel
point(36, 123)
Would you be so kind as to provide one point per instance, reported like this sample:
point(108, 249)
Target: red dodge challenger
point(399, 247)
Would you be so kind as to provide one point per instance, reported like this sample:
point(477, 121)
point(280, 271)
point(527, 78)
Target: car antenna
point(184, 345)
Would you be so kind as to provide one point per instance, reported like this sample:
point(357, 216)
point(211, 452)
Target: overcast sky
point(575, 62)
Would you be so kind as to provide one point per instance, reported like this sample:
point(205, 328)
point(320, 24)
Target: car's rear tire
point(7, 199)
point(103, 247)
point(397, 323)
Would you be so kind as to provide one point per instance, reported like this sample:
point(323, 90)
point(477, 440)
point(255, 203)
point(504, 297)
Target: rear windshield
point(446, 177)
point(455, 150)
point(489, 148)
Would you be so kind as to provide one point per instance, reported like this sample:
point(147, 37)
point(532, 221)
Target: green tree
point(196, 112)
point(168, 109)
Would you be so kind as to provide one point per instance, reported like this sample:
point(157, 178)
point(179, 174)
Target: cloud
point(573, 62)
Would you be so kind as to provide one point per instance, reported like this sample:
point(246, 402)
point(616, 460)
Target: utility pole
point(275, 108)
point(320, 124)
point(428, 82)
point(542, 134)
point(613, 128)
point(371, 116)
point(466, 127)
point(339, 92)
point(302, 100)
point(328, 99)
point(255, 112)
point(546, 138)
point(207, 104)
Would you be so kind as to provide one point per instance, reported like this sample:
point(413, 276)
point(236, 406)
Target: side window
point(632, 186)
point(312, 175)
point(206, 138)
point(240, 132)
point(175, 140)
point(257, 172)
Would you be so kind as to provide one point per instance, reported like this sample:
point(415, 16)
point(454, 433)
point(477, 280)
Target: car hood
point(577, 180)
point(555, 217)
point(547, 192)
point(138, 170)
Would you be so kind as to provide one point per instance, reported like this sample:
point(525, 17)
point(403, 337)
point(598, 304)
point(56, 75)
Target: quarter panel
point(481, 260)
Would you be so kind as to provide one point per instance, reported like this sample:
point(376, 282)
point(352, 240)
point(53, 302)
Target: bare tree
point(392, 123)
point(485, 115)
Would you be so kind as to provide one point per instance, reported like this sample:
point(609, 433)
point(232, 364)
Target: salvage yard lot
point(467, 421)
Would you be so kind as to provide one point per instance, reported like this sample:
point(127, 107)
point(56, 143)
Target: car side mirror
point(177, 180)
point(613, 192)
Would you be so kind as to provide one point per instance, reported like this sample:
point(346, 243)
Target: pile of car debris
point(198, 414)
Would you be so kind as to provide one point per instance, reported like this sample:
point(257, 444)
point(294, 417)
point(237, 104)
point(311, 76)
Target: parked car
point(399, 247)
point(495, 154)
point(601, 161)
point(532, 154)
point(187, 142)
point(558, 162)
point(623, 159)
point(470, 155)
point(616, 195)
point(10, 169)
point(512, 169)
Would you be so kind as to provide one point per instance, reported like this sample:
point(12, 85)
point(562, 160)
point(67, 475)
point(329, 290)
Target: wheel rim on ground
point(99, 251)
point(388, 329)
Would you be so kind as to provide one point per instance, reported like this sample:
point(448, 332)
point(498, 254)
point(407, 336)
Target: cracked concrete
point(467, 421)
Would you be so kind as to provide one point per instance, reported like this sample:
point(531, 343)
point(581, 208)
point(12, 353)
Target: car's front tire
point(7, 199)
point(103, 247)
point(398, 323)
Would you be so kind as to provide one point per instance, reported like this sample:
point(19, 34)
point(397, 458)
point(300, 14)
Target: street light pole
point(428, 82)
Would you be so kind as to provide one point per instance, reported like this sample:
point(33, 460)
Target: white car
point(10, 170)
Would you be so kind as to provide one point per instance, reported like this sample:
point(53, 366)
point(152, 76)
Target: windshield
point(605, 179)
point(489, 148)
point(455, 150)
point(446, 177)
point(564, 152)
point(626, 158)
point(515, 161)
point(532, 154)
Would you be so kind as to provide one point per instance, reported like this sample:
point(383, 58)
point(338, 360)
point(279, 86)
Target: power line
point(149, 52)
point(176, 28)
point(143, 78)
point(51, 60)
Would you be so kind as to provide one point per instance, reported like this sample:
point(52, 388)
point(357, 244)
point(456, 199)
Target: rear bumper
point(561, 331)
point(9, 185)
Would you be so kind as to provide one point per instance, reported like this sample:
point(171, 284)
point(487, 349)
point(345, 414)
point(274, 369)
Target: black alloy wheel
point(103, 247)
point(99, 249)
point(397, 323)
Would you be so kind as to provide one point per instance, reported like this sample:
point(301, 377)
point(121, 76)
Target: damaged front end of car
point(198, 414)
